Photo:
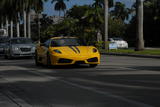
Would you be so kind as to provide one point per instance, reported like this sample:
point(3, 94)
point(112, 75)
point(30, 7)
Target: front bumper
point(69, 60)
point(20, 53)
point(23, 55)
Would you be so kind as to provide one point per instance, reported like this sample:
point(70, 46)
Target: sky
point(49, 8)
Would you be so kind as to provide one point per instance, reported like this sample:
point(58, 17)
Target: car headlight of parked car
point(15, 48)
point(33, 48)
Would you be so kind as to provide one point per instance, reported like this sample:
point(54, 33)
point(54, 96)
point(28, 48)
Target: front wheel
point(92, 65)
point(48, 60)
point(36, 59)
point(10, 56)
point(5, 56)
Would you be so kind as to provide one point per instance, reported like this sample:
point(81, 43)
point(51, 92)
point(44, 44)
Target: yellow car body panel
point(68, 55)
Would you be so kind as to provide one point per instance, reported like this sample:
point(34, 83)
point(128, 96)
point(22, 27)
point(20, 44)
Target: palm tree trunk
point(25, 23)
point(2, 26)
point(18, 23)
point(39, 28)
point(106, 23)
point(140, 40)
point(29, 25)
point(18, 31)
point(7, 26)
point(11, 28)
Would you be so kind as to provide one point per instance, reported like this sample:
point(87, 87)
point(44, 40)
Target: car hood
point(24, 45)
point(75, 50)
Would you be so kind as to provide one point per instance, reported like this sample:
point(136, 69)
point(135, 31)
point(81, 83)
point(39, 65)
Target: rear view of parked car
point(120, 42)
point(19, 47)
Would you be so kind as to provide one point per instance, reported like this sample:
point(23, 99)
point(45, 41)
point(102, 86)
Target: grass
point(131, 51)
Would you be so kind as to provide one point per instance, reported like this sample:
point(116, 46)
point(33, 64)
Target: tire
point(5, 57)
point(48, 60)
point(92, 65)
point(10, 56)
point(36, 60)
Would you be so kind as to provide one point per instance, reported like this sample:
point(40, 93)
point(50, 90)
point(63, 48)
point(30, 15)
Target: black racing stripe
point(77, 49)
point(72, 49)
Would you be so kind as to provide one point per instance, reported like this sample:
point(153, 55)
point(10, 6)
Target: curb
point(133, 55)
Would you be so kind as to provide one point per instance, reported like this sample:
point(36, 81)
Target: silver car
point(19, 47)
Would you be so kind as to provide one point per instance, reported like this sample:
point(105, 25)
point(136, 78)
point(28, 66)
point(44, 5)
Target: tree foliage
point(59, 5)
point(151, 24)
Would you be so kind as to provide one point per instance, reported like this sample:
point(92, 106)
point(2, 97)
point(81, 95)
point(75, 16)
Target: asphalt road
point(118, 81)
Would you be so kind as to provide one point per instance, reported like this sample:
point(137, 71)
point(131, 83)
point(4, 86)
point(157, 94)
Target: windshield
point(117, 39)
point(21, 41)
point(66, 42)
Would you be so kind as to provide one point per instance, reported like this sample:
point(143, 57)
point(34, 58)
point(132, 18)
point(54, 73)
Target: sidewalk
point(132, 55)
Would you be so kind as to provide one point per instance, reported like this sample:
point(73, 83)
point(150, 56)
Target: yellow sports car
point(66, 51)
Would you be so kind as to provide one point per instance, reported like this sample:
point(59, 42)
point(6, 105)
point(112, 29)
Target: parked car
point(120, 42)
point(3, 41)
point(66, 51)
point(19, 47)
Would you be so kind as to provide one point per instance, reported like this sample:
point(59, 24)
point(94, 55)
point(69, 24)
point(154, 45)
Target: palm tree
point(13, 10)
point(120, 11)
point(9, 6)
point(94, 17)
point(107, 4)
point(3, 14)
point(139, 13)
point(106, 23)
point(60, 6)
point(98, 3)
point(28, 5)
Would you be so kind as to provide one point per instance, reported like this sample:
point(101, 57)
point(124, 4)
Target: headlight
point(94, 50)
point(33, 48)
point(15, 48)
point(57, 51)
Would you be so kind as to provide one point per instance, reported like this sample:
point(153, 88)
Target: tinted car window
point(21, 41)
point(66, 42)
point(117, 39)
point(47, 43)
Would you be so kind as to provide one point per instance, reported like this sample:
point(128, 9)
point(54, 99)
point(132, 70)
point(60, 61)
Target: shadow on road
point(149, 68)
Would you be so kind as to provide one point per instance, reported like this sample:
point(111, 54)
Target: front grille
point(62, 60)
point(95, 59)
point(80, 62)
point(25, 49)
